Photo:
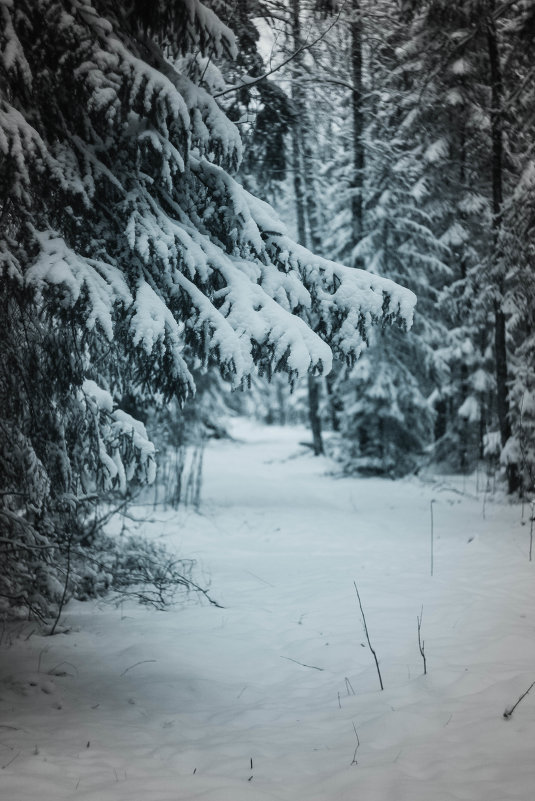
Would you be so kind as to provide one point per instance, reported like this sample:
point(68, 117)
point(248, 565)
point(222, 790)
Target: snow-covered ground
point(265, 698)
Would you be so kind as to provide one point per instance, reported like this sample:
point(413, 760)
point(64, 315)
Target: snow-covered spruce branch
point(133, 256)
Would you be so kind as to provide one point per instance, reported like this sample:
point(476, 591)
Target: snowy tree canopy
point(120, 209)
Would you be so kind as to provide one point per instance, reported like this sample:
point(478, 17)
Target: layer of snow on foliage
point(263, 698)
point(437, 151)
point(470, 409)
point(101, 396)
point(126, 424)
point(59, 265)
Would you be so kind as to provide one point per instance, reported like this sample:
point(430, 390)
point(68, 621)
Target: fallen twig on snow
point(509, 711)
point(313, 667)
point(354, 760)
point(143, 662)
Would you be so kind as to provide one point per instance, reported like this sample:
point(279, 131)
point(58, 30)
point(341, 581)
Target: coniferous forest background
point(148, 287)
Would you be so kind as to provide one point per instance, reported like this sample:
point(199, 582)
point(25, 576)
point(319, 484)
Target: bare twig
point(421, 643)
point(368, 637)
point(65, 587)
point(41, 652)
point(206, 594)
point(354, 760)
point(313, 667)
point(52, 671)
point(301, 49)
point(143, 662)
point(509, 711)
point(10, 761)
point(262, 580)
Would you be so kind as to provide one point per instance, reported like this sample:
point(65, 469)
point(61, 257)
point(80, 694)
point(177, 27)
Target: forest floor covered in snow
point(266, 697)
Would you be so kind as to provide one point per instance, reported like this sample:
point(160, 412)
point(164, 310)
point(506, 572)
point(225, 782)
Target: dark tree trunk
point(298, 177)
point(463, 455)
point(357, 212)
point(500, 338)
point(315, 421)
point(302, 190)
point(311, 205)
point(463, 444)
point(335, 404)
point(441, 419)
point(299, 188)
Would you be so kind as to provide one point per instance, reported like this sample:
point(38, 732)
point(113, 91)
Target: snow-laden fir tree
point(518, 246)
point(444, 128)
point(374, 220)
point(484, 45)
point(129, 254)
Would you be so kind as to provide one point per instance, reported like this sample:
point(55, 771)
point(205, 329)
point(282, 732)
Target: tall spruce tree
point(518, 241)
point(446, 123)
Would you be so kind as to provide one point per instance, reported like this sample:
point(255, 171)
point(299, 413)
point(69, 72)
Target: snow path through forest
point(261, 699)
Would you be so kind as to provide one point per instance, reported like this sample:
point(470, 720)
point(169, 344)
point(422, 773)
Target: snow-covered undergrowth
point(263, 699)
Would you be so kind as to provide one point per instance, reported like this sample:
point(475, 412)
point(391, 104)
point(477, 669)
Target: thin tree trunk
point(357, 212)
point(299, 189)
point(303, 202)
point(463, 455)
point(335, 404)
point(311, 205)
point(298, 180)
point(314, 416)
